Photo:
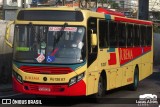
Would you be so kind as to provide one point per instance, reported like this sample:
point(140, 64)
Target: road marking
point(10, 95)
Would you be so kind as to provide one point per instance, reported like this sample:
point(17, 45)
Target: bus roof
point(108, 11)
point(111, 15)
point(52, 8)
point(120, 17)
point(130, 20)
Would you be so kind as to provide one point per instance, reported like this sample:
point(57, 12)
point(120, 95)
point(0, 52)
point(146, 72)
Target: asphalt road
point(121, 97)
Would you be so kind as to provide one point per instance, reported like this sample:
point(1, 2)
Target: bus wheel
point(134, 85)
point(101, 88)
point(101, 91)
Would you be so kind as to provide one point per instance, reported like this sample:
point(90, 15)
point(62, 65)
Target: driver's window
point(92, 51)
point(92, 25)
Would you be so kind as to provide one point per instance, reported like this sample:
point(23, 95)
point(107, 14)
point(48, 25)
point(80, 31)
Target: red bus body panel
point(78, 89)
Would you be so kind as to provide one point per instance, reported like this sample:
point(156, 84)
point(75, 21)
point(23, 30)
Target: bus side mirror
point(8, 34)
point(93, 40)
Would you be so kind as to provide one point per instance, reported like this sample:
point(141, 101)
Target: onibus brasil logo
point(147, 99)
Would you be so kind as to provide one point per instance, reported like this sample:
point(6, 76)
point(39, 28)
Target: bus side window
point(103, 33)
point(137, 36)
point(143, 35)
point(133, 35)
point(130, 35)
point(149, 36)
point(122, 35)
point(113, 31)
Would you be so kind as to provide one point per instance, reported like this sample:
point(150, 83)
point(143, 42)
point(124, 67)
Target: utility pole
point(143, 9)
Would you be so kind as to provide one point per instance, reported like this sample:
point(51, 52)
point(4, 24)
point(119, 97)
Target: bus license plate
point(46, 89)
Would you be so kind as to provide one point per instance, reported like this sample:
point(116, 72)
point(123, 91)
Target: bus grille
point(46, 70)
point(52, 88)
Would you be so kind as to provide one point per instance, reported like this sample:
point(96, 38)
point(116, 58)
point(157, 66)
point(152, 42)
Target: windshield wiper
point(61, 32)
point(36, 38)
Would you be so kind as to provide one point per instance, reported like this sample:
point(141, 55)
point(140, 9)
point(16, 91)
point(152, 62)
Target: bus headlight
point(80, 77)
point(18, 77)
point(72, 81)
point(76, 79)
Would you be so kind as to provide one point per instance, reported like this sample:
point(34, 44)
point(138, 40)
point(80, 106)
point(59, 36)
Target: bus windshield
point(49, 44)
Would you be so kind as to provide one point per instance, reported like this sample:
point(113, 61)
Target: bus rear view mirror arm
point(7, 34)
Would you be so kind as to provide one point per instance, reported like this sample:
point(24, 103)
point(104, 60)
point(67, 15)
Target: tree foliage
point(114, 5)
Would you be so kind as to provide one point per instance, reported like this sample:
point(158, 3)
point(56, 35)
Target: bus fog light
point(72, 81)
point(80, 77)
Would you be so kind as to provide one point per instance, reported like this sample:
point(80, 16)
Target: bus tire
point(101, 90)
point(135, 83)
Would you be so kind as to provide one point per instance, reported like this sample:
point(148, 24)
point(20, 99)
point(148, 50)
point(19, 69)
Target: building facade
point(10, 8)
point(17, 3)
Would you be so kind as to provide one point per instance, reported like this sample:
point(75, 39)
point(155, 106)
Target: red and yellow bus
point(113, 51)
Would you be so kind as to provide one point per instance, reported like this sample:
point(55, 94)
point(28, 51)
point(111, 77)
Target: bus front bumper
point(78, 89)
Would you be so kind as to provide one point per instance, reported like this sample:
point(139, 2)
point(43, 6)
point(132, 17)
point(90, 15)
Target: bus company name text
point(126, 54)
point(31, 78)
